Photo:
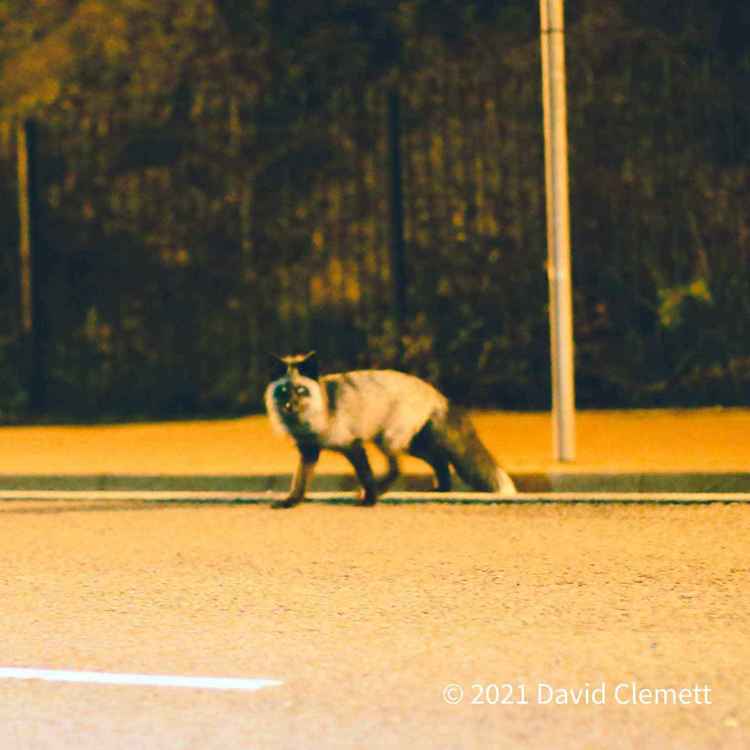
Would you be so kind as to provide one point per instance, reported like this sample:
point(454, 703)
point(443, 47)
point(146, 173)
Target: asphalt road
point(366, 616)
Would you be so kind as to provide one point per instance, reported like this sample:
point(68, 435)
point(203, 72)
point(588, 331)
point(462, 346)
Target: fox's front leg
point(358, 458)
point(308, 457)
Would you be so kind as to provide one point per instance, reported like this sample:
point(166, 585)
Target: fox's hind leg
point(423, 446)
point(394, 470)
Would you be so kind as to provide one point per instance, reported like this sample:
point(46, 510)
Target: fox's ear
point(308, 367)
point(277, 367)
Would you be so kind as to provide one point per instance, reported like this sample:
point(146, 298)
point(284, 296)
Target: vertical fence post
point(395, 193)
point(558, 227)
point(24, 229)
point(33, 323)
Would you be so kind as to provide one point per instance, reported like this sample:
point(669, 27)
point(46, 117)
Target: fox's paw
point(382, 486)
point(287, 502)
point(367, 498)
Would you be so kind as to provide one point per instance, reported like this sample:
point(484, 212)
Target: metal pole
point(558, 227)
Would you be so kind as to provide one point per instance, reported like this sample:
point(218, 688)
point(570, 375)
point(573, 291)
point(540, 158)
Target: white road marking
point(153, 680)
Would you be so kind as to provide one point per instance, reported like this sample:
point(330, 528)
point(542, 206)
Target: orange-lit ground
point(367, 614)
point(699, 440)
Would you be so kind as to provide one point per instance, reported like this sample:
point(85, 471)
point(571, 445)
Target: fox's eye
point(281, 391)
point(301, 390)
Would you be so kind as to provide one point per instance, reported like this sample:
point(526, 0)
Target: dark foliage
point(215, 189)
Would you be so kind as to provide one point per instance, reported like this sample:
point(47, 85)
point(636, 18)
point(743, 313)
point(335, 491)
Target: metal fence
point(173, 275)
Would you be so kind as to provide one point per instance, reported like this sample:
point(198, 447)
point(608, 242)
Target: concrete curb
point(527, 483)
point(45, 501)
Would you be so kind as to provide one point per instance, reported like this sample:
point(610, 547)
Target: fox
point(397, 412)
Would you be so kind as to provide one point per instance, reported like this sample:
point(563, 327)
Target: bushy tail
point(456, 436)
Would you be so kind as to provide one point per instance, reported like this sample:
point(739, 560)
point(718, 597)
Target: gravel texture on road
point(367, 615)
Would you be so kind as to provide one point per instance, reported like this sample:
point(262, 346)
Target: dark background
point(214, 185)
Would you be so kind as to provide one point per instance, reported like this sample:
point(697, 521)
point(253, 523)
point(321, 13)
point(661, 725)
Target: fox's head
point(293, 398)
